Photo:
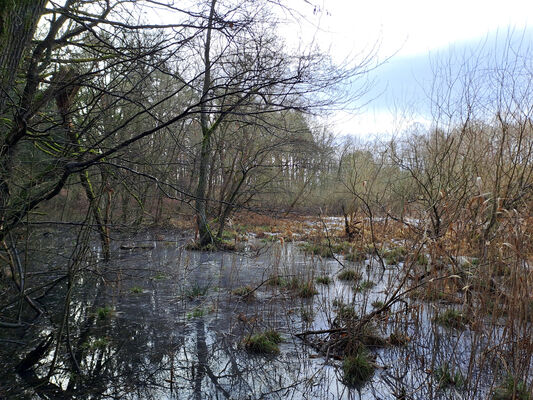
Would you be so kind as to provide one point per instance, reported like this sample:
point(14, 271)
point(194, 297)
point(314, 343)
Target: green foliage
point(326, 249)
point(350, 275)
point(263, 343)
point(358, 368)
point(307, 315)
point(377, 304)
point(244, 292)
point(395, 255)
point(511, 389)
point(136, 290)
point(422, 259)
point(97, 343)
point(447, 376)
point(159, 276)
point(317, 249)
point(323, 280)
point(277, 280)
point(355, 256)
point(364, 286)
point(452, 318)
point(104, 312)
point(307, 289)
point(345, 312)
point(398, 338)
point(196, 313)
point(196, 291)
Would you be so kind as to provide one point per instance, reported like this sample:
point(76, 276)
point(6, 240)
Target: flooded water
point(162, 322)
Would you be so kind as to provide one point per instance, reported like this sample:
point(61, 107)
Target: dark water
point(162, 323)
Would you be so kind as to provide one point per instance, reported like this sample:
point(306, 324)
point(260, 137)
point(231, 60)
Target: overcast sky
point(415, 33)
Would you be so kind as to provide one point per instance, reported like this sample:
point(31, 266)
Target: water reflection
point(163, 323)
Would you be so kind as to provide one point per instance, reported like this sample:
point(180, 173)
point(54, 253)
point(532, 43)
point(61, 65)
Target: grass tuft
point(452, 318)
point(350, 275)
point(263, 343)
point(358, 368)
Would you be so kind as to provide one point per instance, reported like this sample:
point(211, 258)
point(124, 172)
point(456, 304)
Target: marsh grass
point(350, 275)
point(324, 280)
point(512, 389)
point(104, 312)
point(245, 292)
point(263, 343)
point(452, 318)
point(358, 368)
point(446, 376)
point(136, 290)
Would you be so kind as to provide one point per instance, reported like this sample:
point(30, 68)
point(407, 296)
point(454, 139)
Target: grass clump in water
point(97, 343)
point(136, 290)
point(511, 389)
point(196, 291)
point(318, 249)
point(358, 368)
point(364, 286)
point(377, 304)
point(277, 280)
point(452, 318)
point(263, 343)
point(350, 275)
point(355, 256)
point(246, 292)
point(398, 338)
point(446, 376)
point(104, 312)
point(422, 259)
point(196, 313)
point(395, 255)
point(306, 290)
point(324, 280)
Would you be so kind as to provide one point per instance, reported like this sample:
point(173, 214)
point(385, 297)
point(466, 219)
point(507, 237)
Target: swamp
point(178, 219)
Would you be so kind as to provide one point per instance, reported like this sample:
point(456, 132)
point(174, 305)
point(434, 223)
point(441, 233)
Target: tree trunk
point(201, 202)
point(18, 20)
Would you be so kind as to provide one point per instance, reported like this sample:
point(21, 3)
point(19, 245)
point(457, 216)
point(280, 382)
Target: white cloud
point(416, 26)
